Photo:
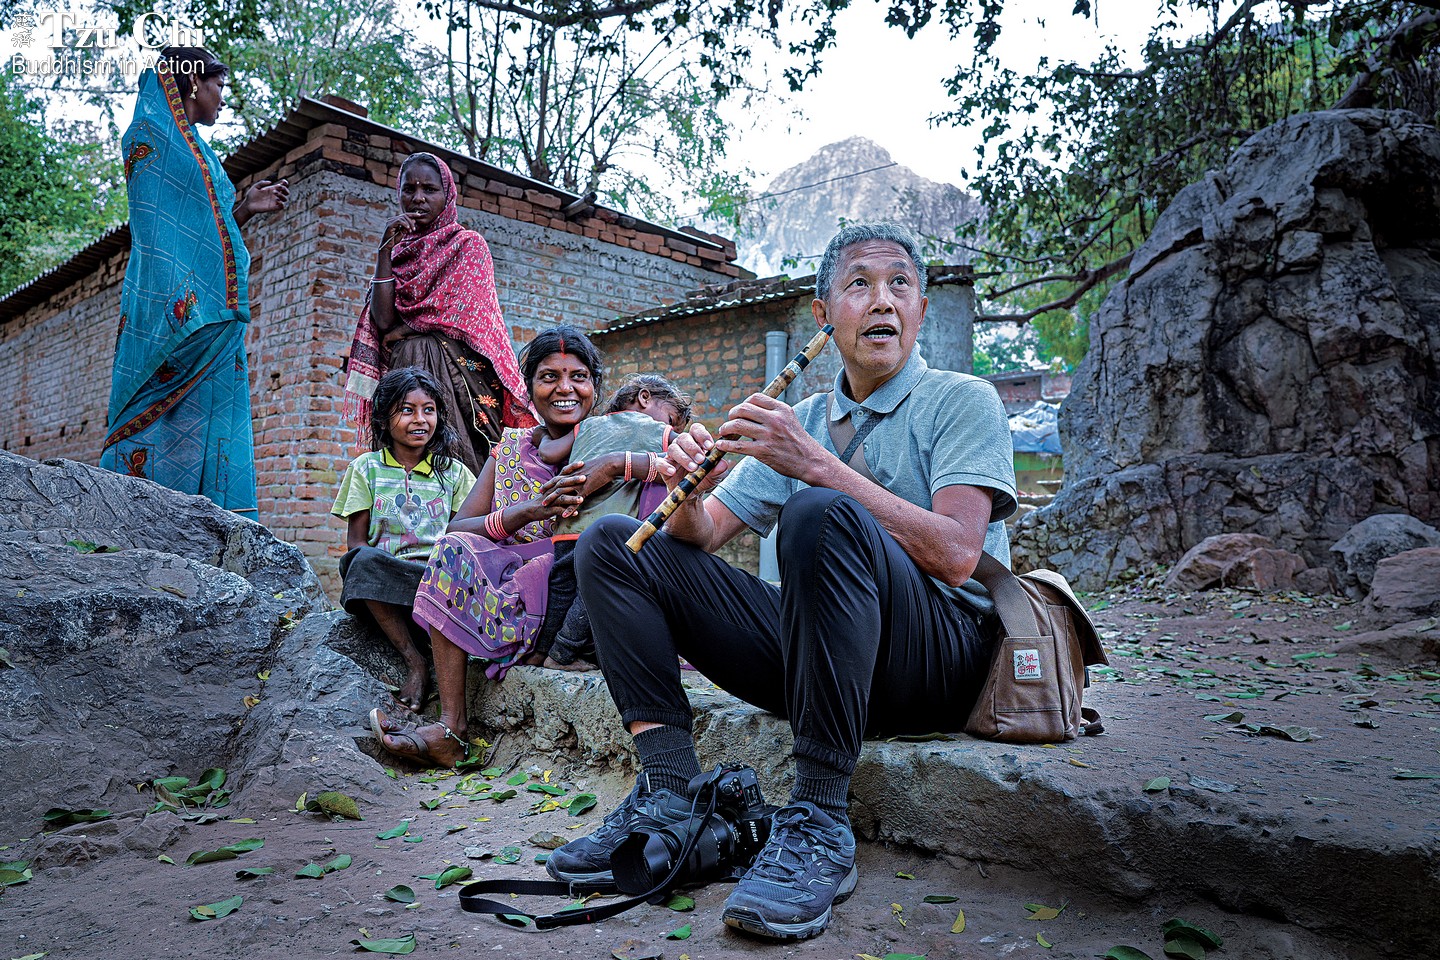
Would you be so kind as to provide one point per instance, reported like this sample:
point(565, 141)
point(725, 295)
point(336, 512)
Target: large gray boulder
point(1364, 545)
point(1269, 365)
point(151, 657)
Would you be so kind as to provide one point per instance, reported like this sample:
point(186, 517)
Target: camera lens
point(645, 858)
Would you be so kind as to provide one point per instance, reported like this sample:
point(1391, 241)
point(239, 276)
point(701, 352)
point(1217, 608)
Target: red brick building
point(557, 257)
point(1019, 389)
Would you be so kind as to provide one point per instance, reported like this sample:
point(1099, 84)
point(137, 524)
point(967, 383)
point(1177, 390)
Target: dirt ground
point(105, 890)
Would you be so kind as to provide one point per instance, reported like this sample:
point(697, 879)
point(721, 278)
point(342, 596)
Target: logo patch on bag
point(1027, 664)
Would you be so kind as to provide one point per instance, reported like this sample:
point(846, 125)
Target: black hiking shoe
point(807, 866)
point(585, 861)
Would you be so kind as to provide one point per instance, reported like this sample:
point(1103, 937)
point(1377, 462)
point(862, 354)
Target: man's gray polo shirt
point(937, 429)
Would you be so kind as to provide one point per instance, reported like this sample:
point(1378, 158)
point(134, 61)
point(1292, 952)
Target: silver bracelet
point(375, 280)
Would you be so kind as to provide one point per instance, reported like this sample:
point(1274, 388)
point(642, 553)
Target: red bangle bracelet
point(495, 526)
point(629, 468)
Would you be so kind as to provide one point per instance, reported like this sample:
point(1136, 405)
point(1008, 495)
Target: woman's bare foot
point(575, 666)
point(412, 691)
point(434, 744)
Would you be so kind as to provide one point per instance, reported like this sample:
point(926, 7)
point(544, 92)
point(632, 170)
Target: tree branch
point(1361, 92)
point(1088, 280)
point(572, 19)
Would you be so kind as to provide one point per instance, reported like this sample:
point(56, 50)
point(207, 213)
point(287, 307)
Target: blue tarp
point(1037, 429)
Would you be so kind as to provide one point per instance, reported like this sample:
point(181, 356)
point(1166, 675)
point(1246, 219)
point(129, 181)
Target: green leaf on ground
point(227, 852)
point(214, 911)
point(1126, 953)
point(395, 945)
point(580, 803)
point(1416, 775)
point(14, 874)
point(1184, 948)
point(452, 875)
point(1038, 911)
point(499, 796)
point(400, 894)
point(959, 925)
point(336, 804)
point(904, 876)
point(492, 772)
point(679, 933)
point(394, 832)
point(508, 855)
point(1157, 784)
point(57, 817)
point(518, 779)
point(1040, 939)
point(1234, 716)
point(432, 803)
point(311, 871)
point(85, 546)
point(939, 898)
point(1206, 938)
point(547, 788)
point(1292, 732)
point(547, 840)
point(249, 873)
point(680, 903)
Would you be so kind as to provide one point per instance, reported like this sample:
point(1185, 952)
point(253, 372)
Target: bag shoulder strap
point(848, 441)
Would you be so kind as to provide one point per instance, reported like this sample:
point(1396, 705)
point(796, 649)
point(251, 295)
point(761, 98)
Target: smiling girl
point(433, 304)
point(396, 501)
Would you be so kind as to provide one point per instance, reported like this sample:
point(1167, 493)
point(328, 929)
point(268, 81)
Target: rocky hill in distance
point(797, 219)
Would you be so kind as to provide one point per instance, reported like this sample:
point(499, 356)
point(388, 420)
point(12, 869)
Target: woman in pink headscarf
point(433, 304)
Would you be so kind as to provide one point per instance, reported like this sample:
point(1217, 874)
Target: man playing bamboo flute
point(875, 628)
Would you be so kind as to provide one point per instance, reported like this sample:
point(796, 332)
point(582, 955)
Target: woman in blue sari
point(180, 390)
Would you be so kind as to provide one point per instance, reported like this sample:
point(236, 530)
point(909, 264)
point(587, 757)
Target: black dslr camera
point(729, 826)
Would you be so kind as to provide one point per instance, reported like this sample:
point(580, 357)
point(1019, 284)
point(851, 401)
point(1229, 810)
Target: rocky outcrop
point(1269, 365)
point(1405, 587)
point(142, 627)
point(1373, 539)
point(805, 212)
point(1235, 560)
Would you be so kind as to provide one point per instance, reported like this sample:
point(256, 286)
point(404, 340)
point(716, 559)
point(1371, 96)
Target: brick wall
point(306, 285)
point(55, 369)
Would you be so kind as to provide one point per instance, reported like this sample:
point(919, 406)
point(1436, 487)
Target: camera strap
point(472, 901)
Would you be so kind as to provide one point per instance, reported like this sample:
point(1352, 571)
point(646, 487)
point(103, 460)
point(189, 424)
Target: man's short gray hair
point(859, 233)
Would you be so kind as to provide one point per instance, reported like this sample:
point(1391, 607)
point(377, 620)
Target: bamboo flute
point(691, 480)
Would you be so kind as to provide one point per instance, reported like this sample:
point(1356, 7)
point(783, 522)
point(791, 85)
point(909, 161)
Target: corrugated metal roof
point(745, 293)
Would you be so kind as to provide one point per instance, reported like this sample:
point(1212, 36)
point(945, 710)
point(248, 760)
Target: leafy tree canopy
point(57, 190)
point(1079, 160)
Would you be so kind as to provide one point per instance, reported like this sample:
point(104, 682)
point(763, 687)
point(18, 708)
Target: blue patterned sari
point(180, 390)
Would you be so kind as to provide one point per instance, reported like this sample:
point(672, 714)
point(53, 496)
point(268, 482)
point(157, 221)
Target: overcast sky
point(880, 85)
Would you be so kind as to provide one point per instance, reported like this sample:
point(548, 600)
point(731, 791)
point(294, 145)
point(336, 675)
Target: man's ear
point(643, 398)
point(817, 307)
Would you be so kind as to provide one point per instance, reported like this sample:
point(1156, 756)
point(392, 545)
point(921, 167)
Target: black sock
point(824, 786)
point(667, 755)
